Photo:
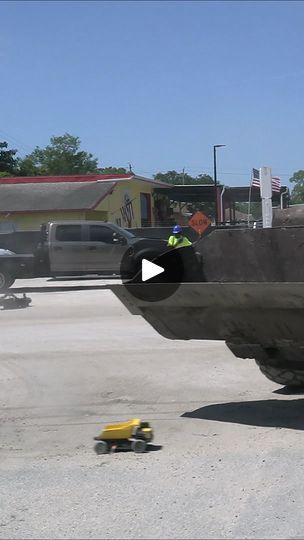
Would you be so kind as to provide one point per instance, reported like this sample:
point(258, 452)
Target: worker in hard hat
point(177, 239)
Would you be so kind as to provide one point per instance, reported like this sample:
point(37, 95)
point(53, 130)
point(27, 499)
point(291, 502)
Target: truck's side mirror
point(119, 239)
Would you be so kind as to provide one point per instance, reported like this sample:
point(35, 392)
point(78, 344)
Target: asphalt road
point(228, 459)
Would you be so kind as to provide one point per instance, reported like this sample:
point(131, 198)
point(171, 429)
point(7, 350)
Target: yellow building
point(127, 200)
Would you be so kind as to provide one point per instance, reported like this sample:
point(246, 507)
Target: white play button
point(150, 270)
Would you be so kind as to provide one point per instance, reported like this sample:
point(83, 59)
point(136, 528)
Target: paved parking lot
point(228, 458)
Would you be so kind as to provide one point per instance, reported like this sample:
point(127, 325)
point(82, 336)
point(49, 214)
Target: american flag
point(276, 184)
point(255, 181)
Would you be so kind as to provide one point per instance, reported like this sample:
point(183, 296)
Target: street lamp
point(215, 146)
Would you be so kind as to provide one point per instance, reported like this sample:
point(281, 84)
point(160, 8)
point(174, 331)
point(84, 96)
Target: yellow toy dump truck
point(133, 434)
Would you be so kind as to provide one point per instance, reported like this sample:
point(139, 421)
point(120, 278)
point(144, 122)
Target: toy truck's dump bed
point(120, 431)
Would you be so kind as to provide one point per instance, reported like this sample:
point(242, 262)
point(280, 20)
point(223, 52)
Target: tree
point(8, 162)
point(112, 170)
point(297, 194)
point(174, 177)
point(61, 156)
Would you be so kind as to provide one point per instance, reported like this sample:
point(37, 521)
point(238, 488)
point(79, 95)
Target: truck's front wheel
point(6, 280)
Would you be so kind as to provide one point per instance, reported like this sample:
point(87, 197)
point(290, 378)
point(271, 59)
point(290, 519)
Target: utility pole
point(183, 176)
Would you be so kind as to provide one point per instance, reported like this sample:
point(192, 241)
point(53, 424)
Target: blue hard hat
point(177, 229)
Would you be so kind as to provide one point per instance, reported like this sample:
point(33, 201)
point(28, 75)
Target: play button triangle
point(150, 270)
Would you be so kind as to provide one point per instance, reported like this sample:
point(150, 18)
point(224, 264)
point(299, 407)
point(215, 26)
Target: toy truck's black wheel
point(101, 448)
point(139, 446)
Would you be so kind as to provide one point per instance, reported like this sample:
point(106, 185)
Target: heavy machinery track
point(283, 375)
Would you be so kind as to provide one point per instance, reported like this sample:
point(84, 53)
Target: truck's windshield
point(124, 232)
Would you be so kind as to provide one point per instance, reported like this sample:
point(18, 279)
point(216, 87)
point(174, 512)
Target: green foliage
point(174, 177)
point(255, 208)
point(8, 162)
point(62, 156)
point(112, 170)
point(297, 194)
point(27, 167)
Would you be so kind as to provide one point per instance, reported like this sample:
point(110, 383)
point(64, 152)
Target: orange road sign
point(199, 222)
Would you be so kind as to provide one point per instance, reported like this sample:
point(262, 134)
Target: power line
point(15, 141)
point(206, 171)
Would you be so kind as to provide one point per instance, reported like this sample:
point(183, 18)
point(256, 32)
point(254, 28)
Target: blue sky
point(157, 84)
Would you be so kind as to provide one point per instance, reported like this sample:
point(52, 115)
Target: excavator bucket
point(268, 313)
point(247, 290)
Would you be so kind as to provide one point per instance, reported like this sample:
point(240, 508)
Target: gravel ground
point(227, 459)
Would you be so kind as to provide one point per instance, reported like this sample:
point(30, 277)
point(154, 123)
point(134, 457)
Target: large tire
point(283, 375)
point(6, 280)
point(283, 365)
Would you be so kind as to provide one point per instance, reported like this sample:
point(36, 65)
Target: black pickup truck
point(74, 248)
